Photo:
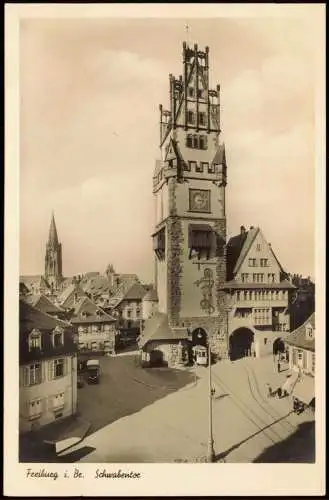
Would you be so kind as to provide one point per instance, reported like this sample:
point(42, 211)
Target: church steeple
point(53, 238)
point(53, 259)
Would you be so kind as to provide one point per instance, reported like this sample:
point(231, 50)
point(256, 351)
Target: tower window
point(200, 239)
point(200, 93)
point(193, 165)
point(211, 168)
point(195, 141)
point(204, 165)
point(189, 141)
point(191, 91)
point(202, 118)
point(159, 244)
point(190, 117)
point(203, 142)
point(199, 167)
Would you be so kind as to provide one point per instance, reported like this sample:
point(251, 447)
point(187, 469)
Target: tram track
point(263, 402)
point(259, 422)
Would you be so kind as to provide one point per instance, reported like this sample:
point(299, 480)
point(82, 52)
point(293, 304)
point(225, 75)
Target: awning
point(304, 390)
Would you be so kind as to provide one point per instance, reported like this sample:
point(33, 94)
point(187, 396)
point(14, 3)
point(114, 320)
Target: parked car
point(93, 371)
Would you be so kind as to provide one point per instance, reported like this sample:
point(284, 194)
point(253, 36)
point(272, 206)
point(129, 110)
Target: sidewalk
point(53, 439)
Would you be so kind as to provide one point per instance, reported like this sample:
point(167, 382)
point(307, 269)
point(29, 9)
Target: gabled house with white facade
point(258, 296)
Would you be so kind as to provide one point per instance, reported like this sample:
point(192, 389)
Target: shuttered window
point(32, 374)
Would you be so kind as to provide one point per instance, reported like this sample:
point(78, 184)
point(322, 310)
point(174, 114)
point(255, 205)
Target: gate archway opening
point(199, 337)
point(278, 346)
point(157, 358)
point(240, 343)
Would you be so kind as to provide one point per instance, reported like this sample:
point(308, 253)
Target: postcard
point(164, 250)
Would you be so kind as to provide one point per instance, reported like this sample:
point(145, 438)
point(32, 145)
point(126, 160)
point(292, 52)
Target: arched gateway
point(278, 346)
point(240, 343)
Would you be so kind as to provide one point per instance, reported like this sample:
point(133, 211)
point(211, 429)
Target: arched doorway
point(157, 358)
point(278, 346)
point(240, 343)
point(199, 337)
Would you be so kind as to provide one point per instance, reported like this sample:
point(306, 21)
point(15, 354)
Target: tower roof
point(53, 238)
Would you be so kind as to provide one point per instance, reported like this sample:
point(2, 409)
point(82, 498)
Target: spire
point(53, 238)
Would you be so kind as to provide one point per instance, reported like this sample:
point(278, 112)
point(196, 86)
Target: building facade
point(47, 369)
point(96, 329)
point(258, 296)
point(301, 349)
point(190, 219)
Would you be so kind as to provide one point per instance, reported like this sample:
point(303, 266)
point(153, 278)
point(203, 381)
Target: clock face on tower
point(199, 200)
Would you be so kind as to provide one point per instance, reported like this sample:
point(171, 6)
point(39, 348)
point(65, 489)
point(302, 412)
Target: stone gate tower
point(190, 220)
point(53, 259)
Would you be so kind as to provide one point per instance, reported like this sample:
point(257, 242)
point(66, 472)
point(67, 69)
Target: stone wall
point(175, 256)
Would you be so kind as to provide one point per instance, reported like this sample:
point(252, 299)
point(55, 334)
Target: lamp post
point(206, 284)
point(211, 452)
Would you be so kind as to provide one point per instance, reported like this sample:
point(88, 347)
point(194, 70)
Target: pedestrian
point(279, 366)
point(269, 390)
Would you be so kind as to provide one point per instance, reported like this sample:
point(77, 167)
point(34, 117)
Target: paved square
point(172, 425)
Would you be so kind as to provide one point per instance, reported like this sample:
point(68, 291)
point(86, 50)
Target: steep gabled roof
point(220, 156)
point(42, 303)
point(157, 328)
point(151, 295)
point(30, 318)
point(86, 311)
point(66, 298)
point(251, 235)
point(135, 292)
point(298, 337)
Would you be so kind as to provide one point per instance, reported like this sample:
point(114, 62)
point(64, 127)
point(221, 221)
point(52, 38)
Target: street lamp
point(206, 284)
point(211, 452)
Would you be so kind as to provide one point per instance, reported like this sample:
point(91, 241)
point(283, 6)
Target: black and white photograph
point(168, 285)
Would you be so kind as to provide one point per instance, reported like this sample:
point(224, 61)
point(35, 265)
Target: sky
point(90, 91)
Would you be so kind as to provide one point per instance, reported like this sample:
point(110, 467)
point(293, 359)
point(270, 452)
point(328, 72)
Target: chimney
point(242, 230)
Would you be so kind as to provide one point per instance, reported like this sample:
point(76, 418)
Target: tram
point(200, 355)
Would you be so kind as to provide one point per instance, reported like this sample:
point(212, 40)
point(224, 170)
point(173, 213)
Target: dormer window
point(58, 337)
point(84, 314)
point(309, 332)
point(99, 313)
point(34, 340)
